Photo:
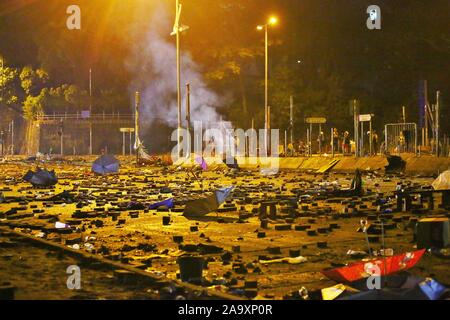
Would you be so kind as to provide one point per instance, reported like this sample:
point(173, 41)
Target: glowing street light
point(271, 22)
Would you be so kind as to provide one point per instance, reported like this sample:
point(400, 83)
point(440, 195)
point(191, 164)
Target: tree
point(33, 81)
point(9, 93)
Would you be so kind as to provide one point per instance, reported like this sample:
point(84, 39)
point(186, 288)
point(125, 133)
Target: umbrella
point(41, 178)
point(442, 182)
point(106, 164)
point(205, 205)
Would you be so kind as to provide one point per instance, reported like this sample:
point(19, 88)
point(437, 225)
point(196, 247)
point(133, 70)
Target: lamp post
point(178, 28)
point(271, 22)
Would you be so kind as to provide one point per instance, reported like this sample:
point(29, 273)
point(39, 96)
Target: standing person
point(407, 138)
point(290, 150)
point(346, 143)
point(335, 140)
point(374, 142)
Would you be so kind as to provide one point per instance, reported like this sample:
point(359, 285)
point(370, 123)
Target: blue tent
point(41, 178)
point(106, 164)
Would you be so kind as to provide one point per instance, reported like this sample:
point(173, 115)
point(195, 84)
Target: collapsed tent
point(41, 178)
point(205, 205)
point(106, 164)
point(442, 182)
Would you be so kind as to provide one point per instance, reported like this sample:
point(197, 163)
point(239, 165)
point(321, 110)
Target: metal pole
point(285, 143)
point(385, 139)
point(12, 137)
point(361, 149)
point(291, 121)
point(90, 111)
point(137, 141)
point(131, 152)
point(269, 140)
point(310, 139)
point(437, 123)
point(355, 123)
point(266, 84)
point(188, 106)
point(370, 136)
point(123, 143)
point(427, 143)
point(307, 140)
point(332, 144)
point(415, 140)
point(178, 79)
point(62, 138)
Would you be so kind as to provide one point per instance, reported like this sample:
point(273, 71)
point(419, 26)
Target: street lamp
point(178, 28)
point(271, 22)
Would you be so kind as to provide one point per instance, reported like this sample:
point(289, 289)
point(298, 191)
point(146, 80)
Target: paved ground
point(106, 227)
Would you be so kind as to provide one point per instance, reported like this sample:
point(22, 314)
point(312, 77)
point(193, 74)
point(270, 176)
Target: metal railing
point(80, 116)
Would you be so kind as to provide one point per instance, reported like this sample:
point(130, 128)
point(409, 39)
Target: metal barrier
point(400, 138)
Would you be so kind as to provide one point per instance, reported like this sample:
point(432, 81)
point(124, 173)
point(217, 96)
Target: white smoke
point(152, 65)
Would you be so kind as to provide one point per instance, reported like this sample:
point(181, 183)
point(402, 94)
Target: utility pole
point(188, 107)
point(137, 141)
point(266, 84)
point(61, 132)
point(356, 126)
point(437, 123)
point(12, 137)
point(90, 111)
point(291, 119)
point(177, 31)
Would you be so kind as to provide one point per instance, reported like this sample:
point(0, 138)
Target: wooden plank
point(328, 167)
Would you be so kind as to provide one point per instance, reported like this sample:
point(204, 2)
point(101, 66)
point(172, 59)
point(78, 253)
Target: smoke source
point(152, 65)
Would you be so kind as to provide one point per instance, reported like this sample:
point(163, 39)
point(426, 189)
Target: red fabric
point(386, 266)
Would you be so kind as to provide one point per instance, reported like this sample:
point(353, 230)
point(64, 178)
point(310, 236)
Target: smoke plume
point(152, 65)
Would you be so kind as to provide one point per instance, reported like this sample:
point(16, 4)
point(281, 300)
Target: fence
point(400, 138)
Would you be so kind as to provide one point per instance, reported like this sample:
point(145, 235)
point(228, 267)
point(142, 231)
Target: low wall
point(414, 165)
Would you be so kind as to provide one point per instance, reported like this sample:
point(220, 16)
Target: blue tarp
point(168, 203)
point(106, 164)
point(433, 289)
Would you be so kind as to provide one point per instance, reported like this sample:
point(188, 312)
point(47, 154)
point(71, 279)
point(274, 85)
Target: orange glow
point(273, 21)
